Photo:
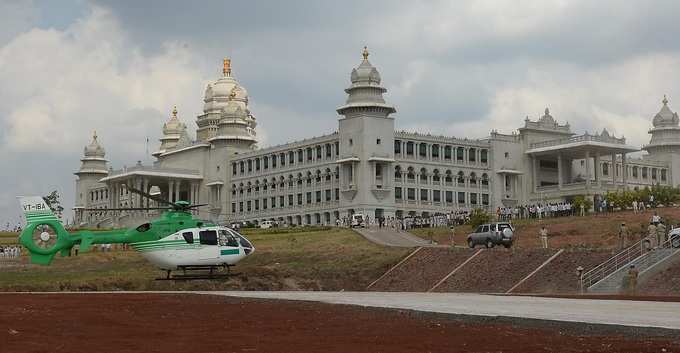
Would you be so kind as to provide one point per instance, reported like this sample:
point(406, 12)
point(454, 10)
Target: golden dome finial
point(232, 94)
point(365, 53)
point(174, 112)
point(226, 69)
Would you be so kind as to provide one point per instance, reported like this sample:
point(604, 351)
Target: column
point(597, 168)
point(614, 169)
point(587, 168)
point(624, 170)
point(171, 191)
point(109, 189)
point(146, 190)
point(534, 179)
point(560, 170)
point(178, 184)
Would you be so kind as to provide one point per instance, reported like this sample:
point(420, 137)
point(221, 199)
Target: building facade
point(366, 166)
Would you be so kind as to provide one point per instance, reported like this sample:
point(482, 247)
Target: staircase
point(608, 276)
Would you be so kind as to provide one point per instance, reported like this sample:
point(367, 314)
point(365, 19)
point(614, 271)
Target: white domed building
point(366, 166)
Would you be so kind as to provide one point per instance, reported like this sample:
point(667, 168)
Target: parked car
point(674, 236)
point(267, 224)
point(491, 234)
point(358, 220)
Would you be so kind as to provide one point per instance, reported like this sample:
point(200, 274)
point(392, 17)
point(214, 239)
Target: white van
point(358, 220)
point(267, 224)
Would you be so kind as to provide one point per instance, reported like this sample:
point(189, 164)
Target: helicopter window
point(144, 227)
point(244, 242)
point(188, 237)
point(207, 237)
point(227, 239)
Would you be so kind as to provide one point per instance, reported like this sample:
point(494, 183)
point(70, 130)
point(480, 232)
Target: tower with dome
point(366, 166)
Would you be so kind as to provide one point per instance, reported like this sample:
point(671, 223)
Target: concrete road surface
point(609, 312)
point(391, 237)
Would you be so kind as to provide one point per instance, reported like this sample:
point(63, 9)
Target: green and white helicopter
point(175, 241)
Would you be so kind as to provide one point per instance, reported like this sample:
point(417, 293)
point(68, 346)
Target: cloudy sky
point(458, 67)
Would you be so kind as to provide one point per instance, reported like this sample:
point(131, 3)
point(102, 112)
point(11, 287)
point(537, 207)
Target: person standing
point(651, 234)
point(453, 236)
point(660, 234)
point(633, 274)
point(544, 237)
point(635, 207)
point(623, 236)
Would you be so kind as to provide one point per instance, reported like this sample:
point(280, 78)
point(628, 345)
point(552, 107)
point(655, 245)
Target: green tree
point(479, 216)
point(582, 200)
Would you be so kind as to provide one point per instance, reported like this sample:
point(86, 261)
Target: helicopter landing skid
point(198, 272)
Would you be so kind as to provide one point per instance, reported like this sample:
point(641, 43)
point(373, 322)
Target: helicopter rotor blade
point(149, 196)
point(197, 206)
point(122, 209)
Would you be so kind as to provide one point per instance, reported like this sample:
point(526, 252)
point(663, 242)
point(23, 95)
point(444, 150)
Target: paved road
point(611, 312)
point(390, 237)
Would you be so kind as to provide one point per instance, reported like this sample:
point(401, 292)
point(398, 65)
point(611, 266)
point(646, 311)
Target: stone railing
point(581, 138)
point(143, 168)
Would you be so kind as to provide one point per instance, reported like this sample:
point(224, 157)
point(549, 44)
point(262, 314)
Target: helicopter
point(175, 241)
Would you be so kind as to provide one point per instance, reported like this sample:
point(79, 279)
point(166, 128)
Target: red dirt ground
point(560, 275)
point(193, 323)
point(495, 270)
point(666, 282)
point(423, 270)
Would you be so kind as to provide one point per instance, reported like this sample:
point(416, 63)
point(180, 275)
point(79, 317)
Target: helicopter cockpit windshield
point(227, 239)
point(245, 243)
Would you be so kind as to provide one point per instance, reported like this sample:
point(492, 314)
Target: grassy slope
point(301, 258)
point(593, 232)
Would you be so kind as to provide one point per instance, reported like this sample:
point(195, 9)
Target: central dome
point(226, 88)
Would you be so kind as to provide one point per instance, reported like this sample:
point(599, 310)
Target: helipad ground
point(594, 311)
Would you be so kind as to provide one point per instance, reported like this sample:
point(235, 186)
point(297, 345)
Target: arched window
point(435, 151)
point(461, 178)
point(473, 179)
point(448, 178)
point(397, 172)
point(423, 176)
point(435, 176)
point(485, 180)
point(411, 175)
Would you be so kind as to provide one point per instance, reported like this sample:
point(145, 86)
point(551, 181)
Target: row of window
point(413, 194)
point(635, 171)
point(281, 181)
point(410, 175)
point(293, 199)
point(327, 151)
point(436, 151)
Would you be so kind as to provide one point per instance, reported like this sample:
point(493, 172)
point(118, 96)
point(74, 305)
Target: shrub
point(479, 216)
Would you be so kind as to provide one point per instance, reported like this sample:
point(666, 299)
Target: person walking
point(544, 237)
point(623, 236)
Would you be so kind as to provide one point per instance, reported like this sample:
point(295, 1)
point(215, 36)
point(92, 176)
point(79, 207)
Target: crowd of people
point(410, 222)
point(559, 209)
point(10, 252)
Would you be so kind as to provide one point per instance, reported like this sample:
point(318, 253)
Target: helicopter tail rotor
point(44, 235)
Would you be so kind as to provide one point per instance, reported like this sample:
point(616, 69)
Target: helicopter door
point(209, 250)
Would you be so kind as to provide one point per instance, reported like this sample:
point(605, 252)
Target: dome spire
point(174, 112)
point(94, 135)
point(665, 100)
point(226, 67)
point(365, 53)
